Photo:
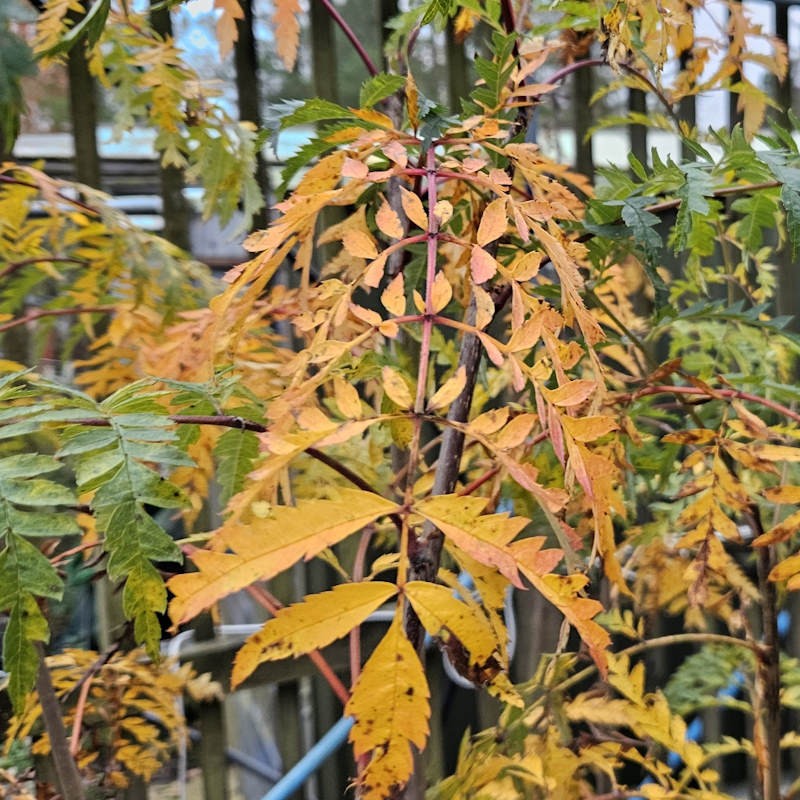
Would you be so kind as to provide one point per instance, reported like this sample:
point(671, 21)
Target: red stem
point(348, 32)
point(716, 393)
point(430, 277)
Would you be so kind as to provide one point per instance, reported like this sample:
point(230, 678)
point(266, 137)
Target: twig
point(54, 312)
point(26, 262)
point(85, 684)
point(714, 393)
point(348, 32)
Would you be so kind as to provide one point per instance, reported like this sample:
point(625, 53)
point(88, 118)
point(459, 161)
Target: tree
point(468, 389)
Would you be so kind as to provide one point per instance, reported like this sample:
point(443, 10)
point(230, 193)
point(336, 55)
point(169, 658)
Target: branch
point(17, 265)
point(54, 312)
point(67, 775)
point(348, 32)
point(735, 394)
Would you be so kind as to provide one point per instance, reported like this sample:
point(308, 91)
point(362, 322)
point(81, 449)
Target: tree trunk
point(83, 116)
point(248, 90)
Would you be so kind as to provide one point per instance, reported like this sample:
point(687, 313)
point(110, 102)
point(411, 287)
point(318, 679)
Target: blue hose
point(311, 761)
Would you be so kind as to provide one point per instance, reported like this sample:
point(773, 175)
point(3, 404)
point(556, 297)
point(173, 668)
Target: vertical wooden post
point(637, 133)
point(248, 90)
point(582, 121)
point(213, 741)
point(175, 209)
point(83, 116)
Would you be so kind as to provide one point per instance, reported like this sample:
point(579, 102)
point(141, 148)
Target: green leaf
point(379, 87)
point(235, 452)
point(20, 658)
point(315, 110)
point(693, 196)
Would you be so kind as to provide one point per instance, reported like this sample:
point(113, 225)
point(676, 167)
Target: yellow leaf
point(776, 452)
point(396, 388)
point(484, 307)
point(783, 494)
point(388, 222)
point(443, 211)
point(444, 615)
point(346, 396)
point(412, 205)
point(489, 422)
point(482, 265)
point(571, 394)
point(442, 292)
point(310, 625)
point(394, 296)
point(359, 244)
point(287, 30)
point(227, 33)
point(262, 548)
point(493, 222)
point(391, 710)
point(516, 431)
point(484, 537)
point(588, 429)
point(782, 531)
point(412, 101)
point(449, 390)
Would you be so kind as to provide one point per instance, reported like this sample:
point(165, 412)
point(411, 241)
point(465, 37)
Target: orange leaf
point(482, 265)
point(310, 625)
point(394, 296)
point(359, 244)
point(391, 710)
point(388, 222)
point(227, 33)
point(493, 222)
point(441, 293)
point(287, 30)
point(562, 592)
point(413, 207)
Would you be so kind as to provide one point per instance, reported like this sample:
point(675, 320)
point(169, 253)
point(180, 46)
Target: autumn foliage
point(499, 371)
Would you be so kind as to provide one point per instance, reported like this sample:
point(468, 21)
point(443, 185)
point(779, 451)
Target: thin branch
point(654, 644)
point(715, 394)
point(14, 266)
point(71, 200)
point(37, 313)
point(767, 699)
point(348, 32)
